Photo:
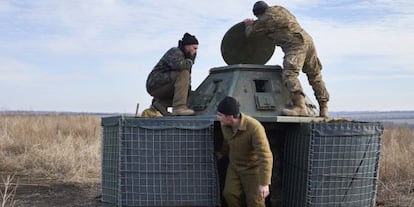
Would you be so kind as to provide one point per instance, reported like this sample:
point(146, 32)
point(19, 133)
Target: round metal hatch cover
point(236, 48)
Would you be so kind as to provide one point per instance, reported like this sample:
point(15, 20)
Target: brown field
point(396, 175)
point(54, 160)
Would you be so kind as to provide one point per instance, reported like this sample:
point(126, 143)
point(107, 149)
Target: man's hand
point(263, 191)
point(248, 22)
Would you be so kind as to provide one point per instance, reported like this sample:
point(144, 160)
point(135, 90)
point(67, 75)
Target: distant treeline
point(98, 114)
point(386, 117)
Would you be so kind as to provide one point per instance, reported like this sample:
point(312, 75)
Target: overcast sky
point(95, 55)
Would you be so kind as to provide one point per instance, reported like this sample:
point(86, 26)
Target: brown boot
point(182, 111)
point(323, 109)
point(299, 106)
point(156, 104)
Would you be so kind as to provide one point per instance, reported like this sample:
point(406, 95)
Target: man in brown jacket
point(250, 157)
point(300, 55)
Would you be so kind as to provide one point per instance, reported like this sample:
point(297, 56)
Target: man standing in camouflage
point(250, 157)
point(300, 55)
point(169, 81)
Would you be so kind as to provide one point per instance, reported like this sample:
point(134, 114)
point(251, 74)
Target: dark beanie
point(189, 39)
point(229, 106)
point(259, 8)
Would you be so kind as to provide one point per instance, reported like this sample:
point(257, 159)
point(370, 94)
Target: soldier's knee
point(182, 75)
point(293, 62)
point(290, 66)
point(288, 74)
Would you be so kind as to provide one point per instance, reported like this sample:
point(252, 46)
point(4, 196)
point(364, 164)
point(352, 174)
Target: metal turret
point(258, 87)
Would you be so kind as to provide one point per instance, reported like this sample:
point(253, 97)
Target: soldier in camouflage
point(300, 55)
point(170, 80)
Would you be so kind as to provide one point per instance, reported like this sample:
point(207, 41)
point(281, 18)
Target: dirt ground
point(58, 194)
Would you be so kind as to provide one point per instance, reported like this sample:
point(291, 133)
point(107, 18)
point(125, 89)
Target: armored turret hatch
point(258, 88)
point(237, 48)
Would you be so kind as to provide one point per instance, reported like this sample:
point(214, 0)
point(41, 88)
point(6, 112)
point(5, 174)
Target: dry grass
point(8, 191)
point(67, 148)
point(396, 185)
point(60, 147)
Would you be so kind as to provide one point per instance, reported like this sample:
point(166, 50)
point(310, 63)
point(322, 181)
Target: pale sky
point(95, 55)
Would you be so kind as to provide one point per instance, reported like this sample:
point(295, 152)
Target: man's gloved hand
point(248, 22)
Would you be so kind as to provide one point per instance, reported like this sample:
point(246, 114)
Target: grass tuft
point(8, 191)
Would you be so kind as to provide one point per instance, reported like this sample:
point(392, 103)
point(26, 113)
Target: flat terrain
point(58, 158)
point(57, 194)
point(88, 195)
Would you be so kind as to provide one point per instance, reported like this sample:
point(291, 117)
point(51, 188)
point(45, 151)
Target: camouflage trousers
point(174, 90)
point(304, 58)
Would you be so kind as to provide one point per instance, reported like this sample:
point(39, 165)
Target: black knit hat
point(259, 8)
point(188, 39)
point(229, 106)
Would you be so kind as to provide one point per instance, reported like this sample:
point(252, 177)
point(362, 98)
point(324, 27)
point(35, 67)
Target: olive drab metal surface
point(237, 48)
point(258, 88)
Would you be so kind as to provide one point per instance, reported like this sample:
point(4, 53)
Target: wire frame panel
point(332, 164)
point(166, 162)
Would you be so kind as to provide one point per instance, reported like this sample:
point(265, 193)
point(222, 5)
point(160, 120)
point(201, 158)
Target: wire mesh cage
point(331, 164)
point(159, 162)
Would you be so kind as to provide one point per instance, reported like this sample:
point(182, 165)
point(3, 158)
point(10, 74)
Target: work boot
point(323, 109)
point(151, 112)
point(299, 106)
point(160, 107)
point(182, 111)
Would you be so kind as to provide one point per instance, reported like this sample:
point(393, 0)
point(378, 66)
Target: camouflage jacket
point(173, 60)
point(282, 27)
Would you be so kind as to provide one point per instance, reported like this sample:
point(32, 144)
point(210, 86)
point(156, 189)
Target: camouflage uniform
point(169, 81)
point(300, 53)
point(250, 164)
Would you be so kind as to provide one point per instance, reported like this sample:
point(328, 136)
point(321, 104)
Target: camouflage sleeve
point(261, 25)
point(176, 60)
